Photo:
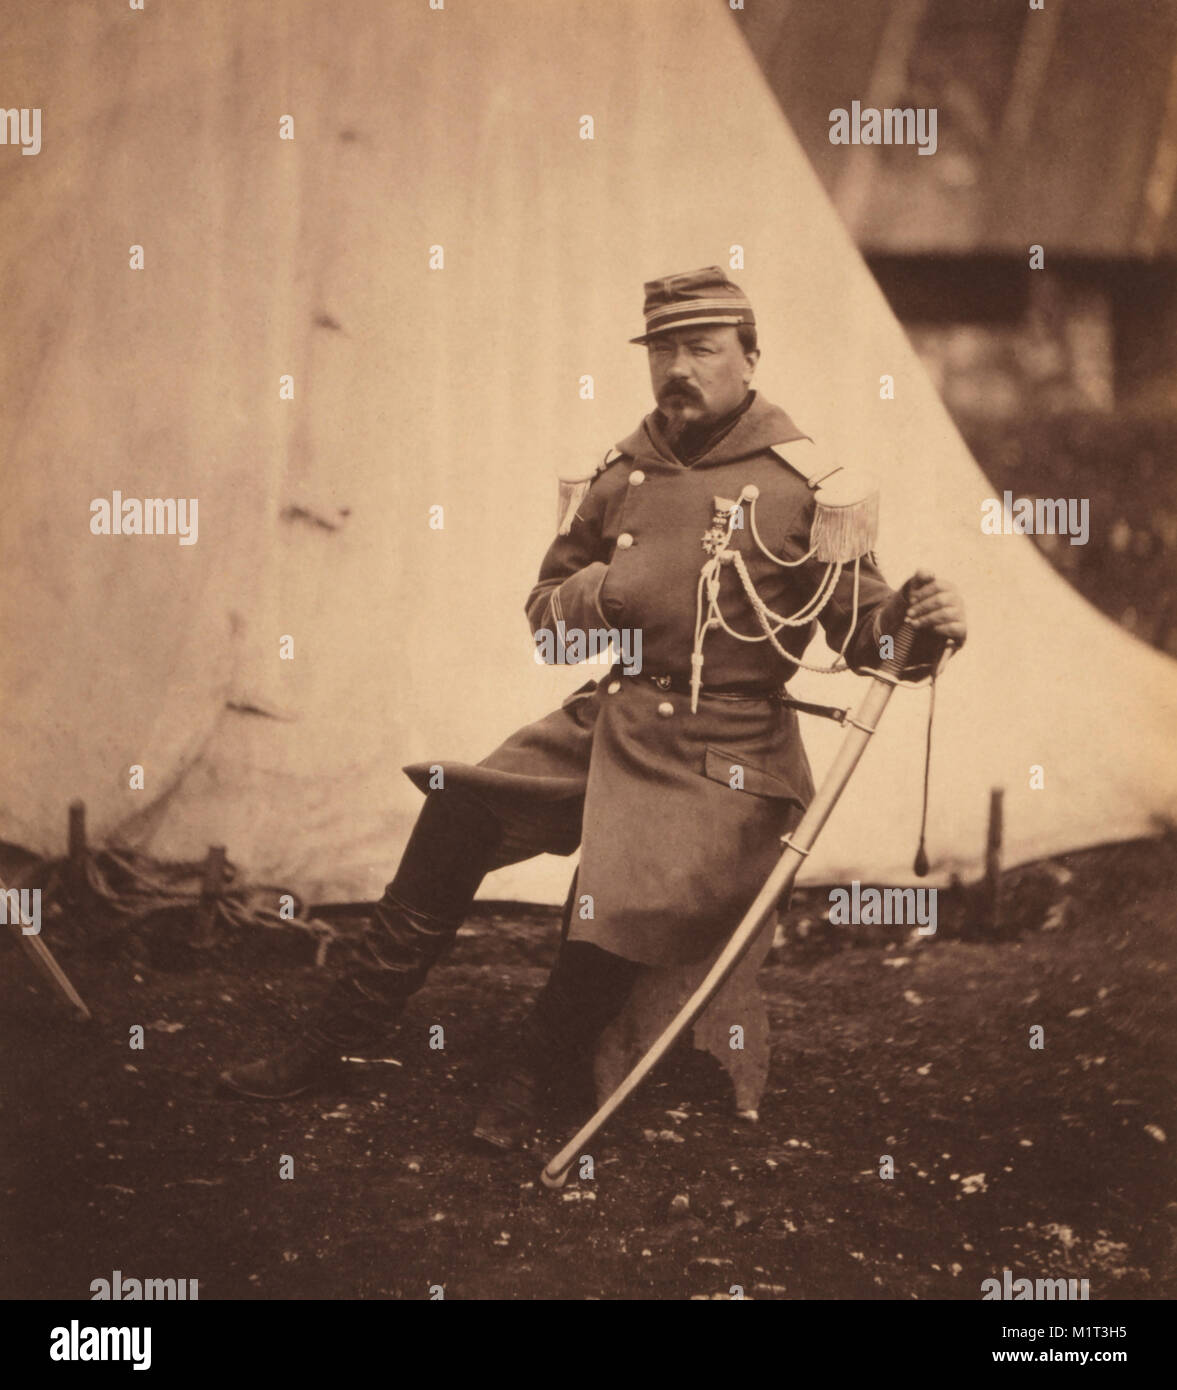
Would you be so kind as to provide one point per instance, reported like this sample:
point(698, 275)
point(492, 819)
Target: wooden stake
point(44, 960)
point(43, 957)
point(206, 910)
point(992, 915)
point(76, 875)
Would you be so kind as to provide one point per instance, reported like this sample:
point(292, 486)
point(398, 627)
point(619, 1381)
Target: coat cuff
point(576, 602)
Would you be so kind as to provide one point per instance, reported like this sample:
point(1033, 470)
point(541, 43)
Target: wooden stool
point(658, 994)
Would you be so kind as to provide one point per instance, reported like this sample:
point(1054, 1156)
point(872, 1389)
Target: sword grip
point(896, 663)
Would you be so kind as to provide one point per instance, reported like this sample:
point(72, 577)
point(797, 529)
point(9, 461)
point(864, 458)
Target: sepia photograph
point(588, 702)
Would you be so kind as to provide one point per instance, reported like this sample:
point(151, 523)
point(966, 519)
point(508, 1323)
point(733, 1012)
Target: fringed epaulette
point(845, 518)
point(842, 533)
point(573, 491)
point(846, 514)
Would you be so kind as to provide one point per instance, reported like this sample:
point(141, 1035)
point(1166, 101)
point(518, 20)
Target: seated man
point(699, 535)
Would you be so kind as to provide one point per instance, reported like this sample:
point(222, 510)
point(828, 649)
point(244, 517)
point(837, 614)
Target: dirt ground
point(1054, 1162)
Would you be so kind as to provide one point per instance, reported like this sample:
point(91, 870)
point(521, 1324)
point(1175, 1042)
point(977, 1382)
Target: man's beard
point(690, 439)
point(677, 426)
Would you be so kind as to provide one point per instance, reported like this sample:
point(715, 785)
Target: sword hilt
point(896, 663)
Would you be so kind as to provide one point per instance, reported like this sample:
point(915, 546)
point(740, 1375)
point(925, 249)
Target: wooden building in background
point(1055, 127)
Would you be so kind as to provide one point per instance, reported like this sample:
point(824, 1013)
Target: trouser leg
point(452, 847)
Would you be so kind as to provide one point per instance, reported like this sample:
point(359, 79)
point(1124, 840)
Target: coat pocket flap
point(730, 766)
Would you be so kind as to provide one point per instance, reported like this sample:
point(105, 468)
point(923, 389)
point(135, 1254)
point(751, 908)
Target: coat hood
point(760, 427)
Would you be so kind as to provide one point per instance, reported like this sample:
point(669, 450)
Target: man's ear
point(750, 361)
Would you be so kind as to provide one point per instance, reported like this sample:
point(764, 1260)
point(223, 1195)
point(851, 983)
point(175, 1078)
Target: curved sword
point(861, 725)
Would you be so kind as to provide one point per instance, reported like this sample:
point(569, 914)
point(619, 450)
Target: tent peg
point(76, 880)
point(993, 840)
point(206, 909)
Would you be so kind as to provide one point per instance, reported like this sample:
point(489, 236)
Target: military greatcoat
point(678, 815)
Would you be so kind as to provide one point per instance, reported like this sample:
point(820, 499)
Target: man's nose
point(679, 367)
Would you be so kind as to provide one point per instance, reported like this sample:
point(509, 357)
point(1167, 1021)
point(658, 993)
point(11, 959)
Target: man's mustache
point(680, 388)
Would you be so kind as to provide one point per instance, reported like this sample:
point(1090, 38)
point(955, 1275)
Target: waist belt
point(750, 690)
point(736, 690)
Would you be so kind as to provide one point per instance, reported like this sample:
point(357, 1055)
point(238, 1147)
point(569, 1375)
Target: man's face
point(699, 374)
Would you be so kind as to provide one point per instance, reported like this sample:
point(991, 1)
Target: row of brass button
point(665, 709)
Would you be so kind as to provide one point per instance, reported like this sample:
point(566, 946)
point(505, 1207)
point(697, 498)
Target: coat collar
point(761, 426)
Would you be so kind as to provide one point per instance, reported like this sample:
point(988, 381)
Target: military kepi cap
point(694, 297)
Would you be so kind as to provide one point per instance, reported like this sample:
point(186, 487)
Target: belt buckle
point(662, 682)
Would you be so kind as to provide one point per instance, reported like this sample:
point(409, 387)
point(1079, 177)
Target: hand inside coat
point(935, 605)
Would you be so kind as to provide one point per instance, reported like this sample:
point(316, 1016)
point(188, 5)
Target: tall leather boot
point(449, 852)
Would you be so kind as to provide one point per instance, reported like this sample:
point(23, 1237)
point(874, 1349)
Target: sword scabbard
point(796, 846)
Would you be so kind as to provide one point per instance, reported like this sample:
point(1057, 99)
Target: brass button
point(751, 492)
point(613, 687)
point(624, 541)
point(637, 477)
point(665, 709)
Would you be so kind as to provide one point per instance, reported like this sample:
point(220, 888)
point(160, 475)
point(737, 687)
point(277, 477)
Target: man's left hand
point(935, 606)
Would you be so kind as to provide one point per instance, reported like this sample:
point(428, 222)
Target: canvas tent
point(458, 388)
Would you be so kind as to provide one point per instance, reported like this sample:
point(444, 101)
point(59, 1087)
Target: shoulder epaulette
point(804, 457)
point(574, 490)
point(846, 519)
